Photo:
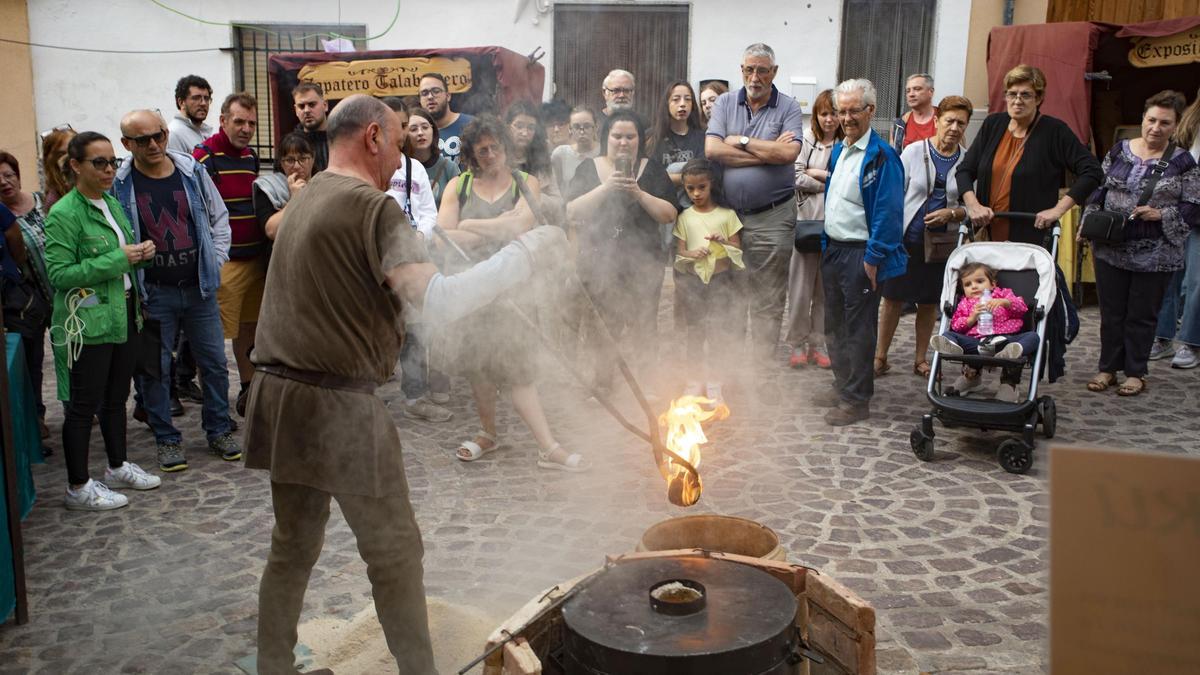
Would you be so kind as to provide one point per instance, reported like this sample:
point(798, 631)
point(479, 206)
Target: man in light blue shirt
point(864, 214)
point(755, 133)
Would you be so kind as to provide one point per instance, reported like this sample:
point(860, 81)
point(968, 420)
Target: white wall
point(92, 91)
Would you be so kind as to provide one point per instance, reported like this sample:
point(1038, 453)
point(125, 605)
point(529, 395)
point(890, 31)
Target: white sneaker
point(94, 496)
point(130, 476)
point(1007, 393)
point(1011, 351)
point(1161, 349)
point(1185, 358)
point(944, 345)
point(440, 397)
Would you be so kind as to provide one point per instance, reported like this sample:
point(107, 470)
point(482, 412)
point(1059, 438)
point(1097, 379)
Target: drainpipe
point(1009, 5)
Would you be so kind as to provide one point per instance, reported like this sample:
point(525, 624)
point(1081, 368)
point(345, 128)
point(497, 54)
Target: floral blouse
point(1150, 246)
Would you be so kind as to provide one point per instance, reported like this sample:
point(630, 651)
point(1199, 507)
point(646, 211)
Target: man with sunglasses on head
point(755, 133)
point(170, 199)
point(435, 98)
point(193, 96)
point(308, 99)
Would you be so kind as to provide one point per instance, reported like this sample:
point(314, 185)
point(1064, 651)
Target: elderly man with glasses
point(618, 88)
point(864, 214)
point(755, 133)
point(170, 199)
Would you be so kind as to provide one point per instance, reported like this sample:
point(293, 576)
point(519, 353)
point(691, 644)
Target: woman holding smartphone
point(619, 201)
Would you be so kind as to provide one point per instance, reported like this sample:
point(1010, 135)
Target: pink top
point(1005, 320)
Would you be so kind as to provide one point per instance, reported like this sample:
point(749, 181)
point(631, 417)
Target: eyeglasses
point(61, 127)
point(518, 126)
point(102, 163)
point(583, 128)
point(1019, 95)
point(851, 112)
point(144, 141)
point(200, 98)
point(761, 71)
point(9, 177)
point(291, 161)
point(488, 151)
point(431, 93)
point(619, 91)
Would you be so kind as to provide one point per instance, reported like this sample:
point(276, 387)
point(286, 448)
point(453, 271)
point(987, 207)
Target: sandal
point(473, 449)
point(1101, 382)
point(881, 366)
point(556, 457)
point(1128, 388)
point(922, 368)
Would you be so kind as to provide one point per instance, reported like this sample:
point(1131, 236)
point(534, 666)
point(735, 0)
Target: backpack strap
point(464, 189)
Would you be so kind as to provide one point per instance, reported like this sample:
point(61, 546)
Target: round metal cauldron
point(742, 623)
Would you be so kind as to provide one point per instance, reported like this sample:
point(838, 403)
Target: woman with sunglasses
point(91, 259)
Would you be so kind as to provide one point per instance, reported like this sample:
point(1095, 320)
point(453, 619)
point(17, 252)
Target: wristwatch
point(743, 142)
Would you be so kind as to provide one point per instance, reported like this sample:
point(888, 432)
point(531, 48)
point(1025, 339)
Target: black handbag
point(26, 310)
point(1108, 227)
point(808, 235)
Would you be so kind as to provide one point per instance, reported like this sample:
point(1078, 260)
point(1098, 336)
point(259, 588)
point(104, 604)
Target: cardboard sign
point(1169, 50)
point(1124, 562)
point(385, 77)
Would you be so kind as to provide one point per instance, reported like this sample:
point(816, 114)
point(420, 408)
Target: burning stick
point(683, 479)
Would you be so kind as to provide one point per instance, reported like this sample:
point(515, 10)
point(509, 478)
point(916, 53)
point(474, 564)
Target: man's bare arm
point(719, 151)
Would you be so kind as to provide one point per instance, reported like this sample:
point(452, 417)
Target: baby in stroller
point(1006, 339)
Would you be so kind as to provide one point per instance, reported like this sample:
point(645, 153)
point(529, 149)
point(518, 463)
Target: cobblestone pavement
point(952, 553)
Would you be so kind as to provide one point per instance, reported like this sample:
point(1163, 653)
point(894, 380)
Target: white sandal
point(572, 462)
point(475, 450)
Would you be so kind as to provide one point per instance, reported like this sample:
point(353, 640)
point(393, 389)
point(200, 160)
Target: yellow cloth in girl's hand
point(694, 228)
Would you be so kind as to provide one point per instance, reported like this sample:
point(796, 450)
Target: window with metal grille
point(255, 43)
point(885, 41)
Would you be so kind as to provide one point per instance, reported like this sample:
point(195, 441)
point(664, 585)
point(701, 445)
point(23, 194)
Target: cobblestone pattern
point(952, 553)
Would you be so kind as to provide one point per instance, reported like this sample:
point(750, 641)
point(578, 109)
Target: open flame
point(685, 434)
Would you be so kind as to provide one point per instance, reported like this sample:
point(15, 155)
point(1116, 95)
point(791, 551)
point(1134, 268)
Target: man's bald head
point(135, 121)
point(365, 136)
point(144, 135)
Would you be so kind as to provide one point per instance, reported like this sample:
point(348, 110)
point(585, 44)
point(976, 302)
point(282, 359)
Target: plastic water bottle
point(985, 316)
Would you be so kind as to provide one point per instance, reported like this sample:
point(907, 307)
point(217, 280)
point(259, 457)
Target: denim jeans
point(416, 377)
point(1182, 302)
point(183, 308)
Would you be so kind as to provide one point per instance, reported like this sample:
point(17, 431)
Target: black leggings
point(100, 380)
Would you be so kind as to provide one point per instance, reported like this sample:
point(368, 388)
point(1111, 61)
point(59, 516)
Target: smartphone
point(624, 166)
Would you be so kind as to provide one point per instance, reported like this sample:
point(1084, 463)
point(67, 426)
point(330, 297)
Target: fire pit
point(681, 615)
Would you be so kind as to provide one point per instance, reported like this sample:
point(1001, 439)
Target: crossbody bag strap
point(1156, 172)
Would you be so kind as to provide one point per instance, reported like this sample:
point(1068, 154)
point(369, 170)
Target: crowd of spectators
point(812, 232)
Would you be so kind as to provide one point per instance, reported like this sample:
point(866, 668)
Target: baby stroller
point(1028, 270)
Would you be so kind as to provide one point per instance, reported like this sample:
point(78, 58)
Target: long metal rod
point(651, 435)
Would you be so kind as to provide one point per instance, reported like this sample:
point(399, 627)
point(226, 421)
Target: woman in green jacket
point(91, 257)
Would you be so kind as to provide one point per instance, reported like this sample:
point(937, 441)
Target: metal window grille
point(253, 46)
point(885, 41)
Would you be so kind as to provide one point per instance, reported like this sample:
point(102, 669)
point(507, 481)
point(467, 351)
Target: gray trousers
point(388, 541)
point(768, 239)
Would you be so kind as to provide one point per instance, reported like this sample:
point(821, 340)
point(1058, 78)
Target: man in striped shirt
point(233, 166)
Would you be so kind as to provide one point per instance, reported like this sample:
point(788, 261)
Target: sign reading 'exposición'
point(1169, 50)
point(385, 77)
